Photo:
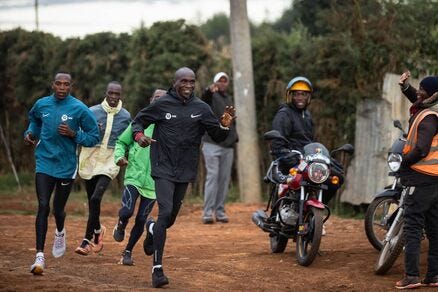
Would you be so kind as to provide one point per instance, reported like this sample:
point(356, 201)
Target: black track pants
point(170, 196)
point(45, 185)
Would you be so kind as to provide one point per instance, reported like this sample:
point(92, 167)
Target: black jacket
point(295, 125)
point(218, 101)
point(179, 127)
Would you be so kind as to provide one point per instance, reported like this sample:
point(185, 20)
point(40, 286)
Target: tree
point(247, 148)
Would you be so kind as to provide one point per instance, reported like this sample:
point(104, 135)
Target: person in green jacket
point(138, 183)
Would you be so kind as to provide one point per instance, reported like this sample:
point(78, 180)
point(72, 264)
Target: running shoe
point(126, 258)
point(430, 282)
point(408, 282)
point(98, 239)
point(119, 232)
point(40, 262)
point(158, 278)
point(222, 217)
point(58, 249)
point(148, 242)
point(85, 248)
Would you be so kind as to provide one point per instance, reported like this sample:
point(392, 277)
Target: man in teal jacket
point(138, 182)
point(57, 124)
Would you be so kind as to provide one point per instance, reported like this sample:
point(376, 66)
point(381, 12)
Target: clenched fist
point(64, 130)
point(29, 139)
point(122, 162)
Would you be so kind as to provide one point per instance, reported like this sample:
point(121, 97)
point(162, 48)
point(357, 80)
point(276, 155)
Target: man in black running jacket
point(181, 120)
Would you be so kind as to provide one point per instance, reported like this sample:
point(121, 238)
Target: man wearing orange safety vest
point(420, 170)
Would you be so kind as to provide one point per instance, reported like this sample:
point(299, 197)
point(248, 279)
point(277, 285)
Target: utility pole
point(37, 23)
point(248, 166)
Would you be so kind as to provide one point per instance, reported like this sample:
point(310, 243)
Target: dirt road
point(218, 257)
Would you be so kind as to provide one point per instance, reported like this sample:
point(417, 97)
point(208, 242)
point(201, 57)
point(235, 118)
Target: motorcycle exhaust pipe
point(259, 218)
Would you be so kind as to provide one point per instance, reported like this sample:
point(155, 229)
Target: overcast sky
point(72, 18)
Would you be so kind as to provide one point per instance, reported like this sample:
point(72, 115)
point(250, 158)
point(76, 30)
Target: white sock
point(38, 254)
point(151, 228)
point(60, 232)
point(156, 267)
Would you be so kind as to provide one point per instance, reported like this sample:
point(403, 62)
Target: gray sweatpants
point(218, 163)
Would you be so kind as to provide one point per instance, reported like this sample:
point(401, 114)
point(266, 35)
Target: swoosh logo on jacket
point(195, 116)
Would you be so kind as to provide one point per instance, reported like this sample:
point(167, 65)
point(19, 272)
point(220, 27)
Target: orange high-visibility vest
point(429, 164)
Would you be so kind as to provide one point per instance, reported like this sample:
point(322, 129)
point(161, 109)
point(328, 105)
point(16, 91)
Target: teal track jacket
point(55, 154)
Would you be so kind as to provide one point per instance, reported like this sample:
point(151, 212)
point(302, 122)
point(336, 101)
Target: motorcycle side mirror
point(345, 148)
point(274, 134)
point(399, 126)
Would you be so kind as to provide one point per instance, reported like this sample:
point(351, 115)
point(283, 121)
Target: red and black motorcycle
point(295, 201)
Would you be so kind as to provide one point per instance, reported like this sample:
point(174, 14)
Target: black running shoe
point(408, 282)
point(158, 278)
point(430, 282)
point(149, 240)
point(127, 258)
point(119, 232)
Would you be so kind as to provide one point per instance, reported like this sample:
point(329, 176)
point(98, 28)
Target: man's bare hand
point(228, 116)
point(29, 139)
point(145, 141)
point(122, 162)
point(65, 130)
point(213, 87)
point(404, 77)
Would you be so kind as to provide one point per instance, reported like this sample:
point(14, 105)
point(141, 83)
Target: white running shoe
point(38, 267)
point(59, 244)
point(324, 232)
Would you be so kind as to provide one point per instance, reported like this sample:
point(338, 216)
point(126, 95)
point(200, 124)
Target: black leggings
point(45, 184)
point(170, 196)
point(95, 187)
point(129, 198)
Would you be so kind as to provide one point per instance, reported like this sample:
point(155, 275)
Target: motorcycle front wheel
point(278, 243)
point(378, 219)
point(390, 251)
point(307, 246)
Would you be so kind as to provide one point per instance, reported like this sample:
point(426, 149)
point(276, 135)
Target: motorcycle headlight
point(394, 161)
point(318, 172)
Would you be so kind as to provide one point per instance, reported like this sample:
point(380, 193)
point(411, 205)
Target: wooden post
point(248, 166)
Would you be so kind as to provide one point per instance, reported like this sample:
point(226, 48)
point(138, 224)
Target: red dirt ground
point(219, 257)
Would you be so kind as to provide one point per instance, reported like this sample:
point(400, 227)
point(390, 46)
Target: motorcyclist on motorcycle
point(294, 122)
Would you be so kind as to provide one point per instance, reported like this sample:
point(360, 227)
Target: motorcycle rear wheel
point(307, 246)
point(390, 252)
point(377, 219)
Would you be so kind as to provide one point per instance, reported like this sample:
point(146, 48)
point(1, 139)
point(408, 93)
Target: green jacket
point(138, 171)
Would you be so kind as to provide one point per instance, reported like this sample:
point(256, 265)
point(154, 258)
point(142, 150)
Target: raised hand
point(228, 116)
point(213, 87)
point(405, 76)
